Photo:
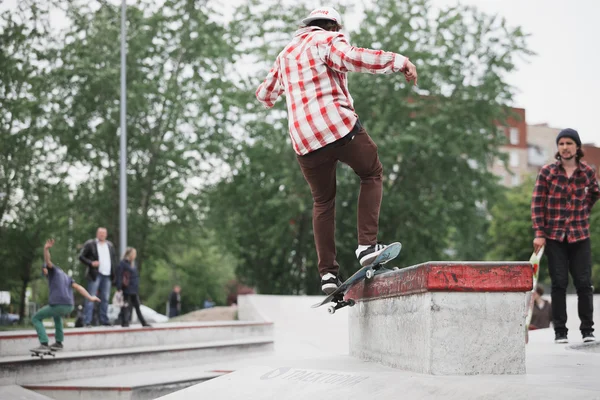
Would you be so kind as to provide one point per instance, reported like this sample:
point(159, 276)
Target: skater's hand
point(95, 263)
point(95, 299)
point(538, 243)
point(49, 244)
point(410, 72)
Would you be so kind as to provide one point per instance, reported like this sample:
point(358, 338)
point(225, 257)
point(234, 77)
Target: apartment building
point(541, 140)
point(515, 130)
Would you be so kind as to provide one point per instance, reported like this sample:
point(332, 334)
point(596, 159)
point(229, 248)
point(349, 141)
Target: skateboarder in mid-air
point(324, 128)
point(60, 302)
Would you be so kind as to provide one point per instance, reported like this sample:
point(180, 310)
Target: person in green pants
point(60, 301)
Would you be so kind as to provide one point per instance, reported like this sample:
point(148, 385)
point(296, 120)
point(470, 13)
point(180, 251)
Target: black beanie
point(570, 133)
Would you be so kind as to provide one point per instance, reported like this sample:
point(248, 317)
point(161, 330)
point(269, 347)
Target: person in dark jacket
point(175, 302)
point(100, 257)
point(128, 281)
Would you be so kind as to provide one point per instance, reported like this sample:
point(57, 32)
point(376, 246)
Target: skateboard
point(366, 272)
point(535, 262)
point(42, 353)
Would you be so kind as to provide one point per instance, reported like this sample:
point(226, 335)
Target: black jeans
point(132, 300)
point(564, 257)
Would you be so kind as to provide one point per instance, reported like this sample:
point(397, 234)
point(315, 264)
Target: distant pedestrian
point(175, 302)
point(128, 281)
point(208, 303)
point(100, 257)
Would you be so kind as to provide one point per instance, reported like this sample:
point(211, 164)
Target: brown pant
point(319, 169)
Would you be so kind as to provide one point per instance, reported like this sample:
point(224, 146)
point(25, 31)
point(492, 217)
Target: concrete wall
point(442, 333)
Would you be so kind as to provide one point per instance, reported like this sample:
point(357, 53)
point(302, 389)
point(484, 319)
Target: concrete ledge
point(13, 343)
point(444, 318)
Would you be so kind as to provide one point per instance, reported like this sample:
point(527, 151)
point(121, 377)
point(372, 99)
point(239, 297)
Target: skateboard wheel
point(351, 303)
point(331, 309)
point(396, 268)
point(369, 274)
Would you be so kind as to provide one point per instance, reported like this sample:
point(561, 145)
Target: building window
point(514, 136)
point(536, 156)
point(514, 159)
point(516, 180)
point(501, 131)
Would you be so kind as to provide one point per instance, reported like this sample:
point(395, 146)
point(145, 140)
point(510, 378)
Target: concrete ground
point(311, 361)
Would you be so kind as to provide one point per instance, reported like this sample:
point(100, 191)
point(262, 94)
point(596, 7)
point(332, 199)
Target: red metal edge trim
point(448, 277)
point(480, 278)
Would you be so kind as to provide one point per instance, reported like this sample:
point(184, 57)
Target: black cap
point(570, 133)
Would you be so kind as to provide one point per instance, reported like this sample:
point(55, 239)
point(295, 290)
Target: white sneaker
point(330, 283)
point(367, 254)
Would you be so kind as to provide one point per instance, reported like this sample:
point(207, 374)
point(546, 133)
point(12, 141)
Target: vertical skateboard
point(535, 263)
point(366, 272)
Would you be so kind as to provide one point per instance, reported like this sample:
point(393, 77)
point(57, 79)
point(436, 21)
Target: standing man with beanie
point(100, 257)
point(563, 197)
point(312, 72)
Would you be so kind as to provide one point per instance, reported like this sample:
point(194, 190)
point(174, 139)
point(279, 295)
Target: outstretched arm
point(47, 246)
point(270, 90)
point(339, 55)
point(84, 292)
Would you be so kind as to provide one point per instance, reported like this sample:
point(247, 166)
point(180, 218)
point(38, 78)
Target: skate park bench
point(443, 318)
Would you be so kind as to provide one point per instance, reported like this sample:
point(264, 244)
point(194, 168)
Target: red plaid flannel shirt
point(312, 72)
point(561, 206)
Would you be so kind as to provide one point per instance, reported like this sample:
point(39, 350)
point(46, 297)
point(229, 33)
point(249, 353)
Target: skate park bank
point(435, 330)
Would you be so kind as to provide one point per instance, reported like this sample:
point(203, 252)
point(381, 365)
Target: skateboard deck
point(535, 262)
point(42, 353)
point(366, 272)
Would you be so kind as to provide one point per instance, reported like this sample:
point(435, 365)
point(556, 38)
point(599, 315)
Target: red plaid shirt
point(312, 72)
point(561, 206)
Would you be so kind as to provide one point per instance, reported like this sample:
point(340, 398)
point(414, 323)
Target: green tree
point(33, 199)
point(202, 268)
point(177, 110)
point(435, 142)
point(23, 88)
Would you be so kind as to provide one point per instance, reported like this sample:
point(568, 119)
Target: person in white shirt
point(100, 257)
